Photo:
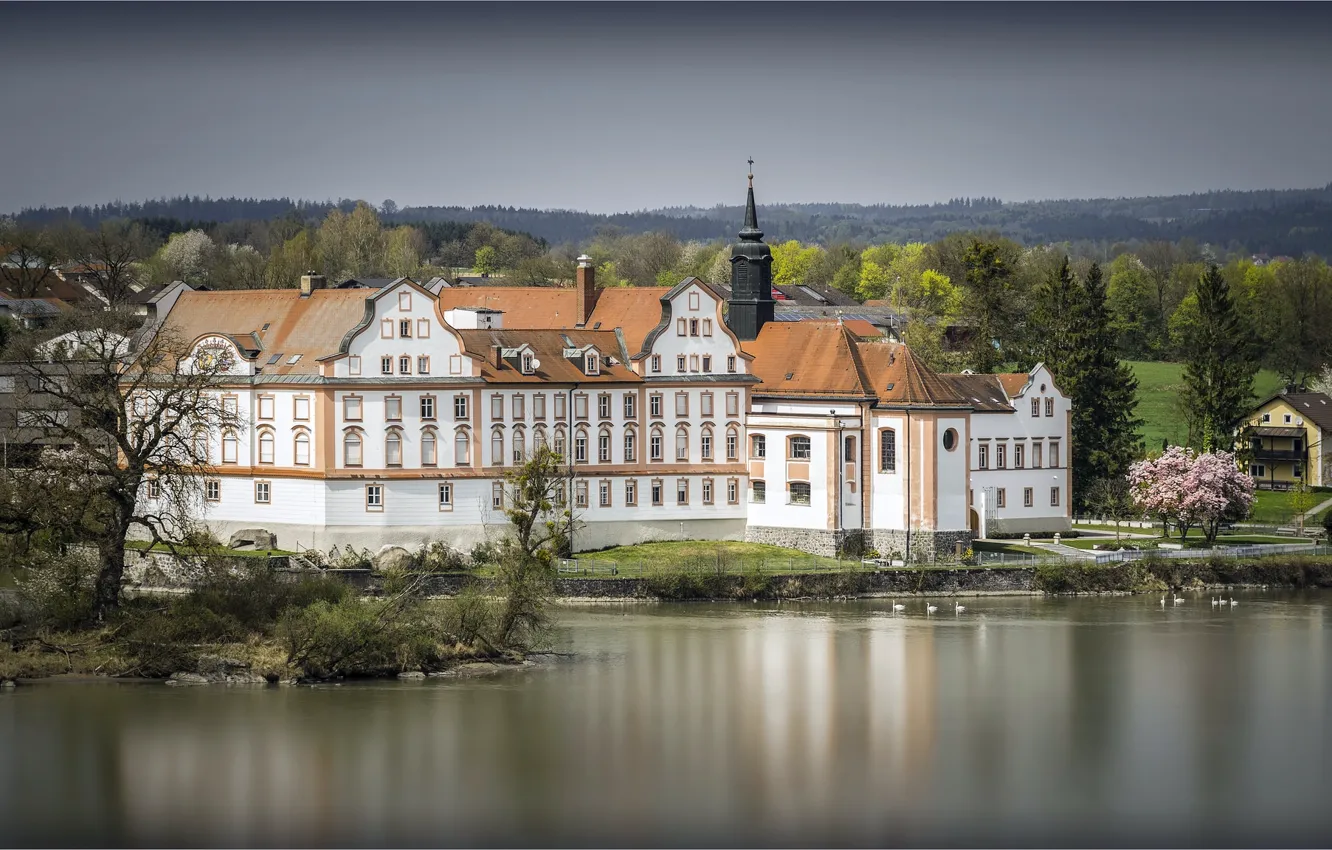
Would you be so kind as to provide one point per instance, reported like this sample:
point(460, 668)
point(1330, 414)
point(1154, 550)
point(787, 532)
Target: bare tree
point(31, 259)
point(110, 255)
point(128, 421)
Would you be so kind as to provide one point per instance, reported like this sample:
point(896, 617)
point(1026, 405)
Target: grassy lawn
point(1159, 386)
point(1278, 506)
point(706, 555)
point(1006, 548)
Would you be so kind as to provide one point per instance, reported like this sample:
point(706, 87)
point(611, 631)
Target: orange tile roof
point(312, 327)
point(862, 328)
point(523, 306)
point(636, 310)
point(548, 345)
point(1013, 382)
point(824, 359)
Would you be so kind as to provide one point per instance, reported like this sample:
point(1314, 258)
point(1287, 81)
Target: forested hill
point(1270, 221)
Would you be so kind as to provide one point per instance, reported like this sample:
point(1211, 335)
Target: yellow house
point(1283, 441)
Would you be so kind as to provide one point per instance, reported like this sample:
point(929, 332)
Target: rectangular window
point(631, 492)
point(404, 301)
point(1028, 497)
point(1035, 407)
point(386, 365)
point(1257, 470)
point(1297, 445)
point(580, 494)
point(693, 327)
point(497, 495)
point(1018, 450)
point(733, 491)
point(593, 363)
point(460, 407)
point(705, 405)
point(528, 360)
point(455, 364)
point(154, 489)
point(758, 446)
point(630, 406)
point(422, 365)
point(230, 404)
point(301, 407)
point(1054, 497)
point(680, 363)
point(1049, 407)
point(758, 492)
point(404, 365)
point(693, 362)
point(603, 494)
point(680, 327)
point(656, 363)
point(1036, 455)
point(213, 490)
point(354, 365)
point(707, 363)
point(1054, 455)
point(654, 405)
point(682, 404)
point(1000, 498)
point(393, 408)
point(983, 456)
point(707, 491)
point(427, 407)
point(707, 327)
point(682, 491)
point(693, 302)
point(1001, 456)
point(1267, 417)
point(887, 450)
point(730, 363)
point(733, 404)
point(265, 407)
point(657, 491)
point(603, 406)
point(1287, 418)
point(497, 407)
point(799, 492)
point(423, 328)
point(849, 450)
point(561, 407)
point(386, 329)
point(263, 492)
point(539, 407)
point(374, 497)
point(519, 407)
point(1297, 471)
point(405, 328)
point(580, 406)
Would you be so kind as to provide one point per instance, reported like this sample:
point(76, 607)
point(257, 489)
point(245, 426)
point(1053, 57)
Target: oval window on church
point(950, 439)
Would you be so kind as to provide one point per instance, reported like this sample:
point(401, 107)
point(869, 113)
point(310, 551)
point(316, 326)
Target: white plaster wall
point(670, 344)
point(776, 510)
point(888, 500)
point(951, 475)
point(440, 345)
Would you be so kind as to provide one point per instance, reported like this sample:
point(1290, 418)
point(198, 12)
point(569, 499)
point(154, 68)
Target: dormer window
point(593, 363)
point(527, 364)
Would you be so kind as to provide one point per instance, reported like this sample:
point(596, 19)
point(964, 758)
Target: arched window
point(393, 448)
point(604, 446)
point(519, 447)
point(301, 448)
point(630, 445)
point(497, 447)
point(732, 443)
point(351, 449)
point(229, 444)
point(561, 447)
point(200, 448)
point(705, 442)
point(265, 446)
point(888, 450)
point(681, 444)
point(654, 444)
point(462, 447)
point(429, 448)
point(580, 446)
point(799, 448)
point(539, 439)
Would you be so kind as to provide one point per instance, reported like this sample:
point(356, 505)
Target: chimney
point(310, 282)
point(497, 356)
point(585, 281)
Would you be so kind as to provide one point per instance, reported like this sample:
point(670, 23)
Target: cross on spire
point(751, 172)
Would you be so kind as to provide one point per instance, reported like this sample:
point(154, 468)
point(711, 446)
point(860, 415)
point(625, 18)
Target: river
point(1019, 721)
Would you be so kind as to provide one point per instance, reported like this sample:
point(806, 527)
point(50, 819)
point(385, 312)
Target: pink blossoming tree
point(1192, 490)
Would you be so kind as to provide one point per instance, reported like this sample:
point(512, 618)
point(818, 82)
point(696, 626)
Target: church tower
point(751, 304)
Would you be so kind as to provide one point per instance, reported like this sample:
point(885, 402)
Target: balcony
point(1277, 455)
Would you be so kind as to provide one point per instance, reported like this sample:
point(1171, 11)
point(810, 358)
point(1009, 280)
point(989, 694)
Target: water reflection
point(1021, 721)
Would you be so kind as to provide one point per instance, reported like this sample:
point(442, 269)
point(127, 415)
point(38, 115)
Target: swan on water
point(930, 609)
point(959, 608)
point(897, 606)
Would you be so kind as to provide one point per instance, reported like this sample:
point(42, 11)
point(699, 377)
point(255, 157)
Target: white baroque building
point(392, 417)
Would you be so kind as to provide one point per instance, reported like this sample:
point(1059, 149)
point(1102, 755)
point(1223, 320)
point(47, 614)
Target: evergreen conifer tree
point(1218, 371)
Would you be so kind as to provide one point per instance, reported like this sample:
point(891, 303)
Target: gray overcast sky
point(610, 107)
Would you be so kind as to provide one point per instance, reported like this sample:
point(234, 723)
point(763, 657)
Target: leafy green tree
point(791, 262)
point(1293, 316)
point(290, 259)
point(539, 519)
point(1218, 370)
point(989, 267)
point(487, 260)
point(405, 248)
point(1129, 300)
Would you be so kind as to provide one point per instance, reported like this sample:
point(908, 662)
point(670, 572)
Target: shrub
point(58, 588)
point(439, 558)
point(485, 552)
